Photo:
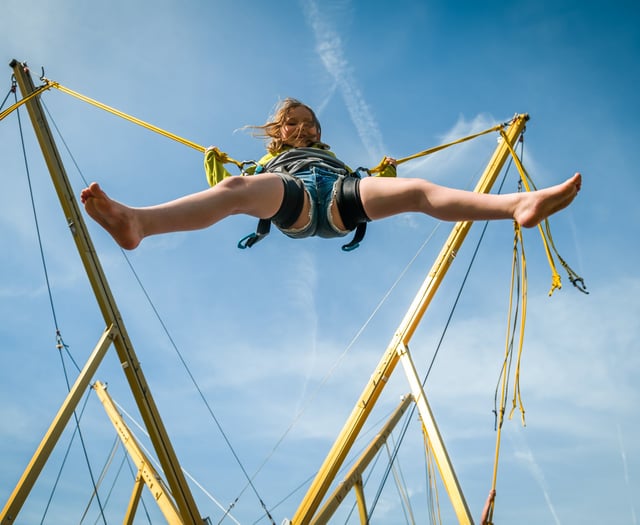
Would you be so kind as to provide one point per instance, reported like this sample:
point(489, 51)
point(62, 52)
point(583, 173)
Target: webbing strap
point(222, 156)
point(361, 229)
point(26, 99)
point(429, 151)
point(263, 229)
point(519, 285)
point(547, 239)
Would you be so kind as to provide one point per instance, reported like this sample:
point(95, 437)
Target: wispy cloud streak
point(525, 455)
point(623, 455)
point(330, 50)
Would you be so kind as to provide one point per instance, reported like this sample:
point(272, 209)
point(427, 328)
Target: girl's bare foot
point(119, 220)
point(536, 206)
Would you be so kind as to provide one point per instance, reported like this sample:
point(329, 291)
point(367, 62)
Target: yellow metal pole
point(146, 471)
point(134, 500)
point(383, 371)
point(440, 454)
point(124, 348)
point(353, 479)
point(362, 502)
point(25, 484)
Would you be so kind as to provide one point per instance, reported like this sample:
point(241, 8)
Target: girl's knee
point(258, 195)
point(416, 195)
point(236, 183)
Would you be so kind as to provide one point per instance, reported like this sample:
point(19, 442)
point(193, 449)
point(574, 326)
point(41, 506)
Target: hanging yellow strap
point(517, 398)
point(547, 238)
point(26, 99)
point(429, 151)
point(528, 184)
point(222, 156)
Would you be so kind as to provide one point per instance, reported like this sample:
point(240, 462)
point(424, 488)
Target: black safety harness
point(347, 194)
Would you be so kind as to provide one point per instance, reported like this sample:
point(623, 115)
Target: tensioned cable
point(300, 486)
point(438, 346)
point(59, 342)
point(371, 316)
point(146, 433)
point(413, 408)
point(23, 101)
point(133, 475)
point(105, 468)
point(340, 358)
point(402, 489)
point(202, 397)
point(12, 89)
point(433, 496)
point(158, 130)
point(170, 338)
point(84, 447)
point(64, 460)
point(116, 477)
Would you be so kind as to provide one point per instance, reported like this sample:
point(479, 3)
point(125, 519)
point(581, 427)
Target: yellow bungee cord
point(26, 99)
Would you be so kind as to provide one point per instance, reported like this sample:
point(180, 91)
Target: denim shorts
point(320, 185)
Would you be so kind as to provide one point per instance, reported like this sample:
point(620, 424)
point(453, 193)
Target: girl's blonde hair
point(271, 130)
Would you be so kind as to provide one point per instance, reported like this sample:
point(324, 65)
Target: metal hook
point(578, 282)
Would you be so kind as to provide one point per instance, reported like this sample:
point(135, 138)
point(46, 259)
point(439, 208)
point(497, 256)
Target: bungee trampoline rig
point(169, 486)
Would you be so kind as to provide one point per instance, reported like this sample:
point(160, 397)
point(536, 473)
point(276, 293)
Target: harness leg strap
point(287, 214)
point(351, 210)
point(292, 202)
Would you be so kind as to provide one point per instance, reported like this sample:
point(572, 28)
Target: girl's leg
point(383, 197)
point(259, 196)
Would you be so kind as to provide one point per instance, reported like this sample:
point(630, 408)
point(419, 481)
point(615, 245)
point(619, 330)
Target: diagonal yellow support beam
point(38, 461)
point(107, 304)
point(353, 479)
point(147, 474)
point(399, 346)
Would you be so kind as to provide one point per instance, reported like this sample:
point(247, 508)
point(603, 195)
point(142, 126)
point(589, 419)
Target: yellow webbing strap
point(429, 151)
point(528, 184)
point(26, 99)
point(517, 398)
point(518, 241)
point(222, 156)
point(225, 158)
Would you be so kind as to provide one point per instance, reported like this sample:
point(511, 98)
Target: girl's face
point(299, 129)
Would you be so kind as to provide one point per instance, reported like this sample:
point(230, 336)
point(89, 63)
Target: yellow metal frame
point(117, 335)
point(183, 503)
point(147, 474)
point(353, 479)
point(398, 350)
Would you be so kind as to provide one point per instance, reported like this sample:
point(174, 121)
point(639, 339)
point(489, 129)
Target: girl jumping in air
point(304, 190)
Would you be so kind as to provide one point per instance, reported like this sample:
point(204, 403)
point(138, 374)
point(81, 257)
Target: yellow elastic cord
point(222, 156)
point(26, 99)
point(528, 183)
point(517, 398)
point(426, 152)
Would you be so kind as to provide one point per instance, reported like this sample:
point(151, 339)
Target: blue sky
point(281, 339)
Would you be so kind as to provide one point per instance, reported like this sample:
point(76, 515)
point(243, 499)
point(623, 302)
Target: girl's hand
point(388, 167)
